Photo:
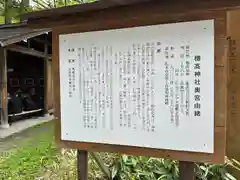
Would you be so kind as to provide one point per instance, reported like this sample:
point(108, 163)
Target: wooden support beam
point(42, 41)
point(46, 84)
point(29, 43)
point(27, 51)
point(3, 88)
point(186, 170)
point(82, 165)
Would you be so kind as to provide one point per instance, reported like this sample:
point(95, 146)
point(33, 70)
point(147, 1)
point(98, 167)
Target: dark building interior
point(25, 76)
point(25, 72)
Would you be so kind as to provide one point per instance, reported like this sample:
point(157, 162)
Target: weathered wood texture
point(122, 11)
point(50, 89)
point(82, 165)
point(3, 86)
point(48, 82)
point(24, 50)
point(187, 171)
point(233, 123)
point(149, 16)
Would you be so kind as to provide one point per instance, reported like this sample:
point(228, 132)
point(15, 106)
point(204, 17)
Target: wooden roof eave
point(109, 8)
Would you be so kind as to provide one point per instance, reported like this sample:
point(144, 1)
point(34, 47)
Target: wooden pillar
point(82, 165)
point(186, 170)
point(46, 95)
point(3, 88)
point(50, 86)
point(233, 123)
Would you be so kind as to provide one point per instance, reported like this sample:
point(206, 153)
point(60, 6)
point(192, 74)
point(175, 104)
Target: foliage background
point(11, 10)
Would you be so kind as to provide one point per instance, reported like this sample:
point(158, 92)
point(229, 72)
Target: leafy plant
point(147, 168)
point(13, 9)
point(43, 160)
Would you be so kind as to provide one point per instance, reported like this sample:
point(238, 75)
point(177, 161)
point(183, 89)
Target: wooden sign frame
point(220, 78)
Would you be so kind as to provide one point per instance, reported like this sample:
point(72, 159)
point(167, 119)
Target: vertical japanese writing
point(134, 89)
point(135, 69)
point(80, 57)
point(129, 87)
point(121, 92)
point(166, 72)
point(136, 86)
point(111, 87)
point(185, 88)
point(176, 76)
point(83, 68)
point(153, 106)
point(197, 83)
point(187, 73)
point(95, 83)
point(69, 81)
point(88, 104)
point(166, 83)
point(148, 85)
point(177, 97)
point(71, 74)
point(143, 93)
point(187, 98)
point(102, 86)
point(182, 88)
point(138, 83)
point(172, 94)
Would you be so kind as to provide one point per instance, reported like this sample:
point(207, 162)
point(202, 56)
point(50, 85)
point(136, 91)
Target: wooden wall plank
point(233, 123)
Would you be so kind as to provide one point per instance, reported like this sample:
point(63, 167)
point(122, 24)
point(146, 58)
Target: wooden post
point(29, 43)
point(82, 165)
point(186, 170)
point(4, 100)
point(46, 95)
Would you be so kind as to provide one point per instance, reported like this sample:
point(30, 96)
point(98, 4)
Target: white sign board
point(150, 86)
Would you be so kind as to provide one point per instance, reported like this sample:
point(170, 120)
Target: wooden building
point(114, 14)
point(25, 63)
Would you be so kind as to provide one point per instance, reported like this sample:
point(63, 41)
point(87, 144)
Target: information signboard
point(149, 86)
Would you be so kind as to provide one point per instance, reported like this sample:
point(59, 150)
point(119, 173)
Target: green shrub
point(146, 168)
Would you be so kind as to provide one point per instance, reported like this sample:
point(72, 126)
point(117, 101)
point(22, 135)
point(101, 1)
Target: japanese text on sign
point(140, 86)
